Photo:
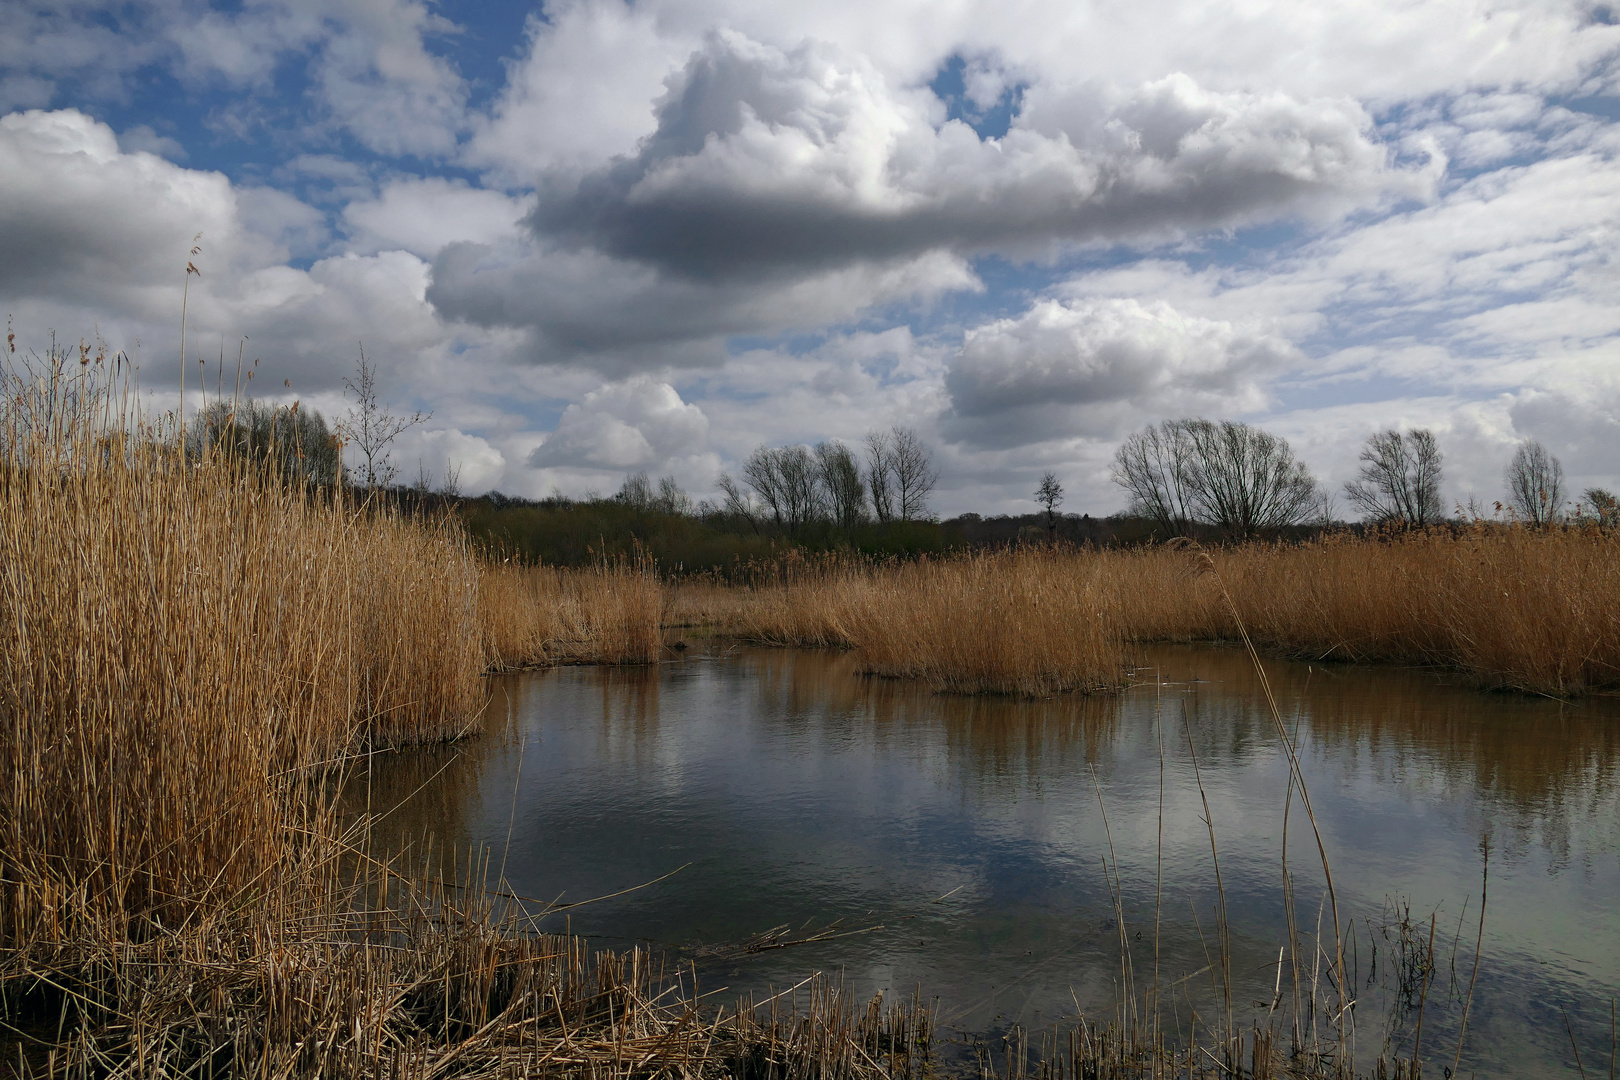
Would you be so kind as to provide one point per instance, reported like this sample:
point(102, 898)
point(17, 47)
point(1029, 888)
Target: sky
point(596, 238)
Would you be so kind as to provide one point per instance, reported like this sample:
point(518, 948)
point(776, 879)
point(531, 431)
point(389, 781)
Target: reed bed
point(612, 613)
point(182, 642)
point(1017, 623)
point(1511, 607)
point(413, 981)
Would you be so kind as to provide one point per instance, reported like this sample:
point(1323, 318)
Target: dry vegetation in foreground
point(1512, 607)
point(192, 655)
point(180, 644)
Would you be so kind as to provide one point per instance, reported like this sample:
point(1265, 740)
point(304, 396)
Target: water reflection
point(970, 831)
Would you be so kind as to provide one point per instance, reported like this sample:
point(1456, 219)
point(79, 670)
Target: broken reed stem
point(1304, 794)
point(1479, 942)
point(1222, 941)
point(1116, 889)
point(1423, 997)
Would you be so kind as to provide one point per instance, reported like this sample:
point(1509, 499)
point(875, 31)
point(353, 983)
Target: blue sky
point(596, 238)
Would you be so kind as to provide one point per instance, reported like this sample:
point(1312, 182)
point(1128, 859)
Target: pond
point(984, 849)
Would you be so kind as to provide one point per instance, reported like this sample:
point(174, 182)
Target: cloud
point(708, 169)
point(99, 238)
point(370, 69)
point(143, 137)
point(618, 317)
point(377, 79)
point(438, 454)
point(636, 424)
point(77, 216)
point(423, 214)
point(1582, 429)
point(583, 92)
point(1083, 367)
point(768, 160)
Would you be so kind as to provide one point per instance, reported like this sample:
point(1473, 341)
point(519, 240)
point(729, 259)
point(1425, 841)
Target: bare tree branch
point(370, 427)
point(840, 477)
point(1399, 478)
point(1152, 465)
point(1535, 483)
point(913, 473)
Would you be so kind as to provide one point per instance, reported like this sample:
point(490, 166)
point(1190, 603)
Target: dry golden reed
point(1512, 607)
point(190, 651)
point(612, 613)
point(183, 643)
point(1018, 622)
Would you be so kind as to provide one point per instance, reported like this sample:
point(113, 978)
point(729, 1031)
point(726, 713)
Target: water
point(960, 844)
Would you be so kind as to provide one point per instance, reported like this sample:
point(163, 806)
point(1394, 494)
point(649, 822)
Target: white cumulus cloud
point(769, 160)
point(1089, 367)
point(637, 424)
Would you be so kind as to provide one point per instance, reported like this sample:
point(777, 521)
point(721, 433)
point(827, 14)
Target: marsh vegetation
point(203, 642)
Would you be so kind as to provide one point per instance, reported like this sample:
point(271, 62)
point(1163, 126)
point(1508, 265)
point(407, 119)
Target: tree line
point(1180, 475)
point(1241, 480)
point(792, 488)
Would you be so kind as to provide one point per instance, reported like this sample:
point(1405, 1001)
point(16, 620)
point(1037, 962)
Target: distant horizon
point(596, 238)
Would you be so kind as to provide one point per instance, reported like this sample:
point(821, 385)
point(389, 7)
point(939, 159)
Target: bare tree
point(801, 486)
point(762, 472)
point(913, 473)
point(671, 499)
point(842, 487)
point(880, 474)
point(1399, 478)
point(1230, 475)
point(1152, 465)
point(370, 427)
point(1244, 480)
point(786, 481)
point(636, 492)
point(738, 503)
point(1535, 483)
point(1603, 505)
point(1050, 496)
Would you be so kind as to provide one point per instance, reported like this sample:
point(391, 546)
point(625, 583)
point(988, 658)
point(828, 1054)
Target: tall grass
point(1015, 623)
point(1512, 607)
point(610, 613)
point(182, 642)
point(190, 651)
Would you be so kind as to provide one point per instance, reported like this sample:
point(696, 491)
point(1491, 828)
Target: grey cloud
point(79, 216)
point(98, 240)
point(1583, 430)
point(143, 137)
point(1092, 367)
point(767, 160)
point(584, 307)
